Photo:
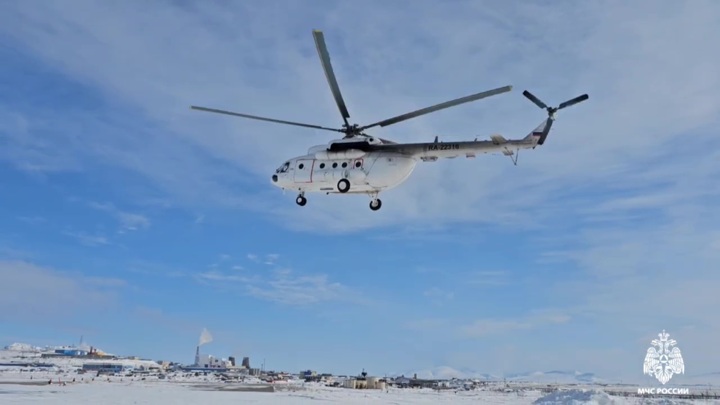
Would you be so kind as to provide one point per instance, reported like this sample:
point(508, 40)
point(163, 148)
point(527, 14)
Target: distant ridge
point(558, 376)
point(552, 376)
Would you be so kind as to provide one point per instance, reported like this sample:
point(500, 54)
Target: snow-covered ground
point(25, 387)
point(135, 392)
point(63, 384)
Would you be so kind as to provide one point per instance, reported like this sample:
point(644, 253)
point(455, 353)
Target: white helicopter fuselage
point(367, 172)
point(382, 167)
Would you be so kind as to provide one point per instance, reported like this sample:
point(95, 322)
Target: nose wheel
point(301, 200)
point(375, 204)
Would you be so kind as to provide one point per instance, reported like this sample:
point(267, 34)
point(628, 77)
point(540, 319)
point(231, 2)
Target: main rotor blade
point(534, 99)
point(255, 117)
point(573, 101)
point(329, 74)
point(438, 107)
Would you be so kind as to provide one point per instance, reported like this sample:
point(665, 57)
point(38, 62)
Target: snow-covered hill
point(564, 377)
point(558, 377)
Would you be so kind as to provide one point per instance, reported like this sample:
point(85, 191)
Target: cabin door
point(303, 170)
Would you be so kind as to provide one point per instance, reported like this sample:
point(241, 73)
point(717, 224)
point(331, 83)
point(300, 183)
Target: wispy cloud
point(286, 287)
point(487, 278)
point(218, 276)
point(438, 296)
point(32, 220)
point(87, 239)
point(490, 326)
point(30, 291)
point(158, 316)
point(271, 258)
point(428, 324)
point(280, 285)
point(128, 221)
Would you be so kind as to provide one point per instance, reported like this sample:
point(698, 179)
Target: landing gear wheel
point(343, 185)
point(301, 200)
point(375, 204)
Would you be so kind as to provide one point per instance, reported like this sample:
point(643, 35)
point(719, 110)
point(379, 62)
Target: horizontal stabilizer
point(498, 139)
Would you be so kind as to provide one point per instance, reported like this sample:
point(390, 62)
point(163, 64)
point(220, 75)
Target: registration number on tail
point(444, 146)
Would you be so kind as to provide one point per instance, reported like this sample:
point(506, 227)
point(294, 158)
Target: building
point(246, 362)
point(71, 352)
point(104, 367)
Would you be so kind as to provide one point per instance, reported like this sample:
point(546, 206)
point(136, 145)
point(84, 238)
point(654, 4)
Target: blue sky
point(134, 221)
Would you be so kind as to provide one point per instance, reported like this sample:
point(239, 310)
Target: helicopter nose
point(274, 178)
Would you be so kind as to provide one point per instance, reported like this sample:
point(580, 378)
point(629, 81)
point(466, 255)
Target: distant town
point(85, 359)
point(84, 363)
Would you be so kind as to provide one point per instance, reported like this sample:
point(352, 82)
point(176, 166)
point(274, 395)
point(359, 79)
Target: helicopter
point(359, 163)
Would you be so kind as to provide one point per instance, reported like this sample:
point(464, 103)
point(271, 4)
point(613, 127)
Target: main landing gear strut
point(375, 203)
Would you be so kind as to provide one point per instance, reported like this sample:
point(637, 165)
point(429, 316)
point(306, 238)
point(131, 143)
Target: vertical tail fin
point(537, 133)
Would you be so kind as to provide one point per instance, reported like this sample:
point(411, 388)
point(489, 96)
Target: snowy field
point(175, 393)
point(17, 391)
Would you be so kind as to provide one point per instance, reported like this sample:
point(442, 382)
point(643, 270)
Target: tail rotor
point(552, 110)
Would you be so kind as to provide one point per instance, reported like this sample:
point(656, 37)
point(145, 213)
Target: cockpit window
point(283, 168)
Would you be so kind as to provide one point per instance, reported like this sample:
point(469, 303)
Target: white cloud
point(489, 326)
point(282, 286)
point(30, 291)
point(429, 324)
point(486, 278)
point(271, 259)
point(286, 287)
point(128, 221)
point(438, 296)
point(132, 222)
point(217, 276)
point(87, 239)
point(32, 219)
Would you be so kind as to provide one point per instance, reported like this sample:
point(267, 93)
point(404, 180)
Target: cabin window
point(344, 164)
point(322, 165)
point(358, 163)
point(300, 166)
point(334, 165)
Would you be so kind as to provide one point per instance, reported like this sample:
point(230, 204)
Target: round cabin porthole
point(357, 164)
point(334, 165)
point(344, 164)
point(322, 165)
point(301, 166)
